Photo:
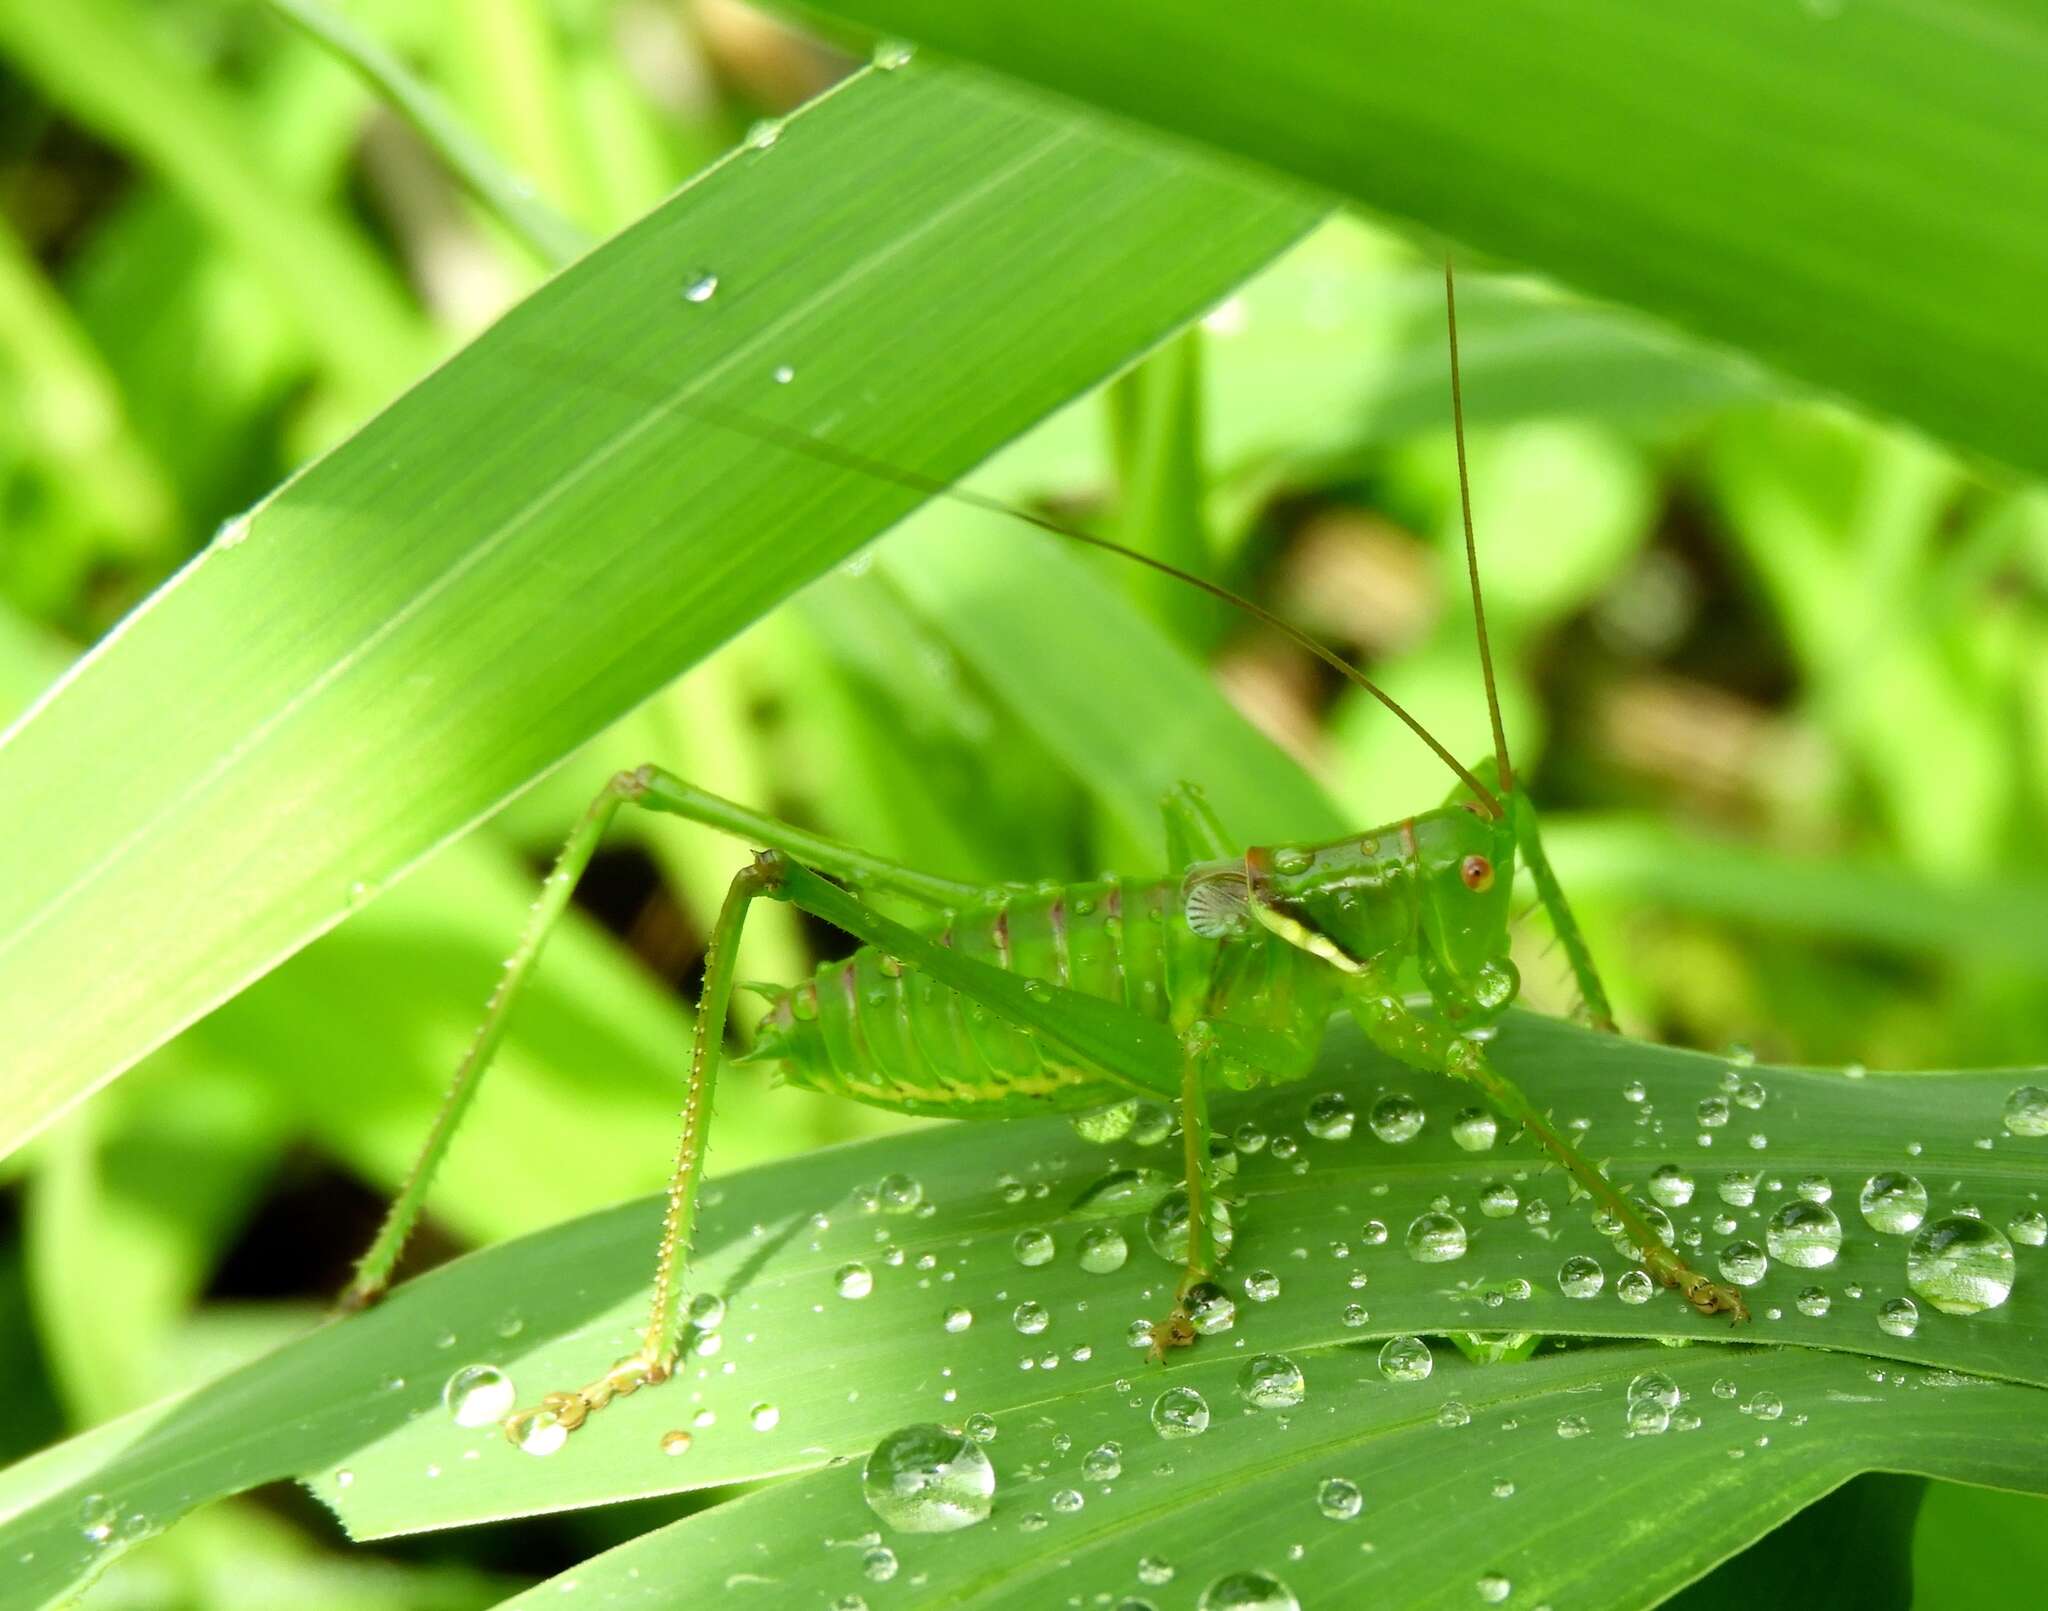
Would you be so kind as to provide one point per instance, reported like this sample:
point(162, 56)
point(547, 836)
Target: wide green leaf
point(1829, 187)
point(553, 525)
point(800, 1374)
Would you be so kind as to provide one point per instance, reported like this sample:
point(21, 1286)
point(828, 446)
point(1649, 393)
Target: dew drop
point(879, 1563)
point(1580, 1277)
point(2029, 1228)
point(1713, 1112)
point(1339, 1499)
point(890, 54)
point(1396, 1117)
point(764, 1417)
point(1262, 1286)
point(700, 285)
point(1271, 1382)
point(1961, 1265)
point(1406, 1359)
point(1124, 1191)
point(1573, 1426)
point(1180, 1412)
point(900, 1194)
point(676, 1442)
point(1738, 1188)
point(1893, 1203)
point(1030, 1318)
point(1106, 1125)
point(1247, 1591)
point(1804, 1234)
point(928, 1479)
point(1634, 1286)
point(1474, 1129)
point(1494, 1588)
point(1671, 1186)
point(1435, 1238)
point(1329, 1117)
point(1103, 1250)
point(1033, 1248)
point(478, 1395)
point(2026, 1111)
point(1742, 1262)
point(1103, 1463)
point(1209, 1308)
point(1154, 1571)
point(853, 1281)
point(1813, 1302)
point(537, 1432)
point(1898, 1317)
point(1498, 1199)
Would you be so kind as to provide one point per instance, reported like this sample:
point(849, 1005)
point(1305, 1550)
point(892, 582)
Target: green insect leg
point(1423, 1043)
point(655, 1357)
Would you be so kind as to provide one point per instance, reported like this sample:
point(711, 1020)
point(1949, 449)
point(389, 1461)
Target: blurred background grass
point(1777, 676)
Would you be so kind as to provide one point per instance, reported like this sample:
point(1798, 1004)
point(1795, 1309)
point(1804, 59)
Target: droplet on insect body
point(928, 1479)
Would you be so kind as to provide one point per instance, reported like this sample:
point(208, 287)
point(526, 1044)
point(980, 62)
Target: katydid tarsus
point(1013, 1000)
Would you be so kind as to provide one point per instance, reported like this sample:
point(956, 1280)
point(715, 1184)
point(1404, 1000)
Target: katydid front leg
point(1420, 1042)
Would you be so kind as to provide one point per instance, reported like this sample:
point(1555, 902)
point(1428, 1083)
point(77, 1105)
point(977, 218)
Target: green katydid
point(1008, 1000)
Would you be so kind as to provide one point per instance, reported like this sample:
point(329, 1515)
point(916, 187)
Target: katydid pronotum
point(1012, 1001)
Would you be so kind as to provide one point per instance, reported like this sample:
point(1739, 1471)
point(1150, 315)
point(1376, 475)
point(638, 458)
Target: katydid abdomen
point(883, 1031)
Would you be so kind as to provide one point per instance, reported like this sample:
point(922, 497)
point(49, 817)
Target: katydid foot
point(543, 1428)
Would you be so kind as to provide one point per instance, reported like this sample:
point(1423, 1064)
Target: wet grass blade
point(522, 548)
point(356, 1408)
point(1754, 182)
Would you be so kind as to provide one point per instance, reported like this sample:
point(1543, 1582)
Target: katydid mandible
point(1013, 1000)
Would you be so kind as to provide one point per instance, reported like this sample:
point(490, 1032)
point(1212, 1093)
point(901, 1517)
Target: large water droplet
point(1247, 1591)
point(1406, 1359)
point(1272, 1382)
point(537, 1432)
point(1180, 1412)
point(853, 1281)
point(1396, 1117)
point(1124, 1191)
point(1580, 1277)
point(1671, 1186)
point(1743, 1262)
point(1329, 1117)
point(1033, 1248)
point(2029, 1227)
point(1209, 1308)
point(1804, 1234)
point(929, 1479)
point(1474, 1129)
point(1893, 1203)
point(1102, 1126)
point(478, 1395)
point(1435, 1238)
point(1960, 1265)
point(2026, 1111)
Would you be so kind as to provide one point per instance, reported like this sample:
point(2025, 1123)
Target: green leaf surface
point(543, 532)
point(1750, 176)
point(1470, 1492)
point(1328, 1216)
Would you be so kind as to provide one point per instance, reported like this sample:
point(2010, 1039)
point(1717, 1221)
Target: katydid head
point(1466, 871)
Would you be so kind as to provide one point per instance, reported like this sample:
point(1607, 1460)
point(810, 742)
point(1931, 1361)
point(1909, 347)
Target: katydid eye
point(1477, 872)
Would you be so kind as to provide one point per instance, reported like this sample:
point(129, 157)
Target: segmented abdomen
point(881, 1031)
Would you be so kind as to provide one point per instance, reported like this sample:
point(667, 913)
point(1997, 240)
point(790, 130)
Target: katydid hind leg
point(560, 1413)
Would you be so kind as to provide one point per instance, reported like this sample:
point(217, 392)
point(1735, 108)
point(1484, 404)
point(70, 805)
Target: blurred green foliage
point(1778, 676)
